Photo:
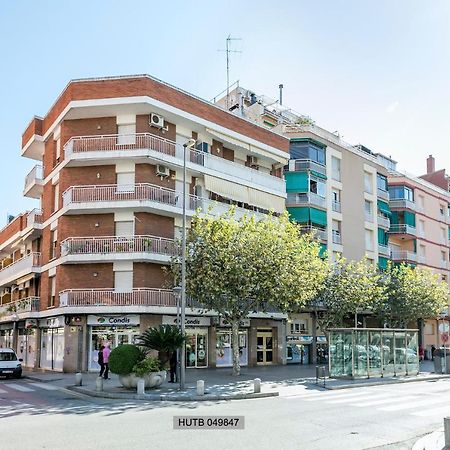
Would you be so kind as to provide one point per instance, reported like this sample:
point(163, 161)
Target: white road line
point(359, 398)
point(48, 387)
point(329, 396)
point(443, 411)
point(2, 391)
point(19, 387)
point(412, 405)
point(377, 402)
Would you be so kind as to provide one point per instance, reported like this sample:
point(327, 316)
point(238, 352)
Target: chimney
point(430, 165)
point(281, 93)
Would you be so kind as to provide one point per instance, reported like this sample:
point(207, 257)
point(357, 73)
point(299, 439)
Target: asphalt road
point(42, 416)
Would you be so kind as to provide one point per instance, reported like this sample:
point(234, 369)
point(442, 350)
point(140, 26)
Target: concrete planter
point(152, 380)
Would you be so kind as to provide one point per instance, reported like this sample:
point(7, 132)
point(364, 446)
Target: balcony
point(308, 198)
point(403, 255)
point(34, 183)
point(384, 250)
point(23, 305)
point(109, 297)
point(401, 228)
point(146, 145)
point(141, 197)
point(34, 218)
point(27, 264)
point(336, 206)
point(382, 195)
point(383, 222)
point(302, 165)
point(402, 203)
point(151, 249)
point(317, 232)
point(336, 237)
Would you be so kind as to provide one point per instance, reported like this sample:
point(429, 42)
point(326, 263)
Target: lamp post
point(189, 144)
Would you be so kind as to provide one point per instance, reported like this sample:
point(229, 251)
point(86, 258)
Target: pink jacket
point(106, 352)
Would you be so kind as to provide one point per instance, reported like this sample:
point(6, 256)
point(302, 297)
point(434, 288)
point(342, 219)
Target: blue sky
point(376, 71)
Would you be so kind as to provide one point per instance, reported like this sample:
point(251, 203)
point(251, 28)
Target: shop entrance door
point(197, 348)
point(264, 347)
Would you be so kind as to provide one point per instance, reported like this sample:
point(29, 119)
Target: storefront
point(27, 342)
point(264, 346)
point(196, 339)
point(52, 343)
point(298, 349)
point(224, 352)
point(6, 335)
point(322, 349)
point(112, 331)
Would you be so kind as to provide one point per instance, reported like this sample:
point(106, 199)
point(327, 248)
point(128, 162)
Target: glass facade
point(401, 192)
point(373, 352)
point(307, 150)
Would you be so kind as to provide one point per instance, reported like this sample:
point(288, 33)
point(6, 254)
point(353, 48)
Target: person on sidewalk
point(173, 367)
point(106, 353)
point(100, 361)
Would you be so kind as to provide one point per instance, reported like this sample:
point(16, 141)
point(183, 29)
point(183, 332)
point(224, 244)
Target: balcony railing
point(34, 218)
point(301, 165)
point(308, 198)
point(118, 244)
point(384, 250)
point(319, 233)
point(403, 255)
point(383, 222)
point(23, 305)
point(20, 267)
point(336, 206)
point(383, 195)
point(402, 203)
point(336, 237)
point(402, 229)
point(109, 297)
point(35, 175)
point(80, 145)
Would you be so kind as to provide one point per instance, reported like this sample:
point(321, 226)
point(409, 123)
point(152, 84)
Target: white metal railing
point(118, 244)
point(34, 217)
point(384, 195)
point(402, 203)
point(401, 228)
point(319, 233)
point(294, 198)
point(403, 255)
point(368, 216)
point(383, 222)
point(147, 141)
point(384, 250)
point(308, 164)
point(336, 237)
point(20, 306)
point(20, 267)
point(336, 206)
point(109, 297)
point(34, 175)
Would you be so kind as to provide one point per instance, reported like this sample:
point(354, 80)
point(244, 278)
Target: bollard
point(99, 384)
point(78, 379)
point(141, 386)
point(200, 387)
point(257, 385)
point(447, 431)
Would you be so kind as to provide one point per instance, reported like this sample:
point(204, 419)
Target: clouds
point(393, 107)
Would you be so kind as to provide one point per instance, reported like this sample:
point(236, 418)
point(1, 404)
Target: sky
point(376, 71)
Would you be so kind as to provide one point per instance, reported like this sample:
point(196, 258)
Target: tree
point(349, 287)
point(412, 293)
point(237, 266)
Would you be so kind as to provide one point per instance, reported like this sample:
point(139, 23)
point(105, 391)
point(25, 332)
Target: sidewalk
point(220, 384)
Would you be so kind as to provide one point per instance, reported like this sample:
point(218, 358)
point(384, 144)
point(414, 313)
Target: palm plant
point(165, 339)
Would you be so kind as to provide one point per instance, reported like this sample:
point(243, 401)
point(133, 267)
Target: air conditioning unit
point(253, 160)
point(156, 120)
point(162, 171)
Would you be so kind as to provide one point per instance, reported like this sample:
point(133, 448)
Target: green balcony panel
point(410, 218)
point(382, 262)
point(384, 207)
point(297, 181)
point(318, 175)
point(323, 249)
point(394, 218)
point(308, 215)
point(383, 237)
point(318, 217)
point(299, 214)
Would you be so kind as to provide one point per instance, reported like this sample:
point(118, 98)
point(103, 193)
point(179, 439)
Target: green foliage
point(124, 357)
point(165, 339)
point(146, 366)
point(350, 287)
point(412, 293)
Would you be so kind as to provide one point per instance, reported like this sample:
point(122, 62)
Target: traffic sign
point(444, 337)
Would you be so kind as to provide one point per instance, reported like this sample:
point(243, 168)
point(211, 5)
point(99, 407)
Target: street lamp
point(189, 144)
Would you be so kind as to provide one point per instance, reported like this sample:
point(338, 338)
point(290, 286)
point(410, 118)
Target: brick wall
point(87, 127)
point(76, 176)
point(146, 173)
point(148, 275)
point(85, 225)
point(80, 276)
point(154, 225)
point(143, 126)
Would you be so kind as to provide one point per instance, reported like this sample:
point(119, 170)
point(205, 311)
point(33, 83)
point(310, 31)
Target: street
point(389, 416)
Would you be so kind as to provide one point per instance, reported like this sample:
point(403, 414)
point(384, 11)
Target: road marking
point(411, 405)
point(443, 411)
point(48, 387)
point(331, 396)
point(378, 402)
point(355, 398)
point(19, 387)
point(2, 391)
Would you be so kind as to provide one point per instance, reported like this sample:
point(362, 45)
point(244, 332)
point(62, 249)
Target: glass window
point(381, 182)
point(368, 207)
point(369, 239)
point(336, 168)
point(317, 186)
point(307, 150)
point(8, 356)
point(401, 192)
point(368, 182)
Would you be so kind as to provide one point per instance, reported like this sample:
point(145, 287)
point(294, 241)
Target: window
point(317, 186)
point(123, 281)
point(421, 201)
point(299, 327)
point(444, 235)
point(428, 329)
point(401, 192)
point(52, 291)
point(126, 134)
point(368, 210)
point(443, 257)
point(336, 232)
point(422, 250)
point(58, 149)
point(55, 197)
point(421, 227)
point(54, 243)
point(369, 240)
point(382, 182)
point(442, 210)
point(125, 181)
point(307, 150)
point(368, 182)
point(336, 200)
point(125, 228)
point(335, 168)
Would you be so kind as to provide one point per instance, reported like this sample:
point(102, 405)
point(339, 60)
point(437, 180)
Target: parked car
point(10, 365)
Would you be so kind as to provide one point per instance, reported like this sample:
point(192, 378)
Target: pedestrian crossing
point(414, 400)
point(8, 388)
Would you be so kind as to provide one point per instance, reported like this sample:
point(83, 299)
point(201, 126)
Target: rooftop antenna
point(281, 93)
point(228, 51)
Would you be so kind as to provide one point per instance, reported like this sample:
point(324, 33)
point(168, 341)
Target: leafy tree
point(237, 266)
point(412, 293)
point(349, 287)
point(165, 339)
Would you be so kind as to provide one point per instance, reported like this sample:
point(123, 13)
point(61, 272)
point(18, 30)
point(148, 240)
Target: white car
point(10, 365)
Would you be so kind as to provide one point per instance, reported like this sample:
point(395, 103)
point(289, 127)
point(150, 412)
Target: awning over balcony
point(384, 208)
point(244, 194)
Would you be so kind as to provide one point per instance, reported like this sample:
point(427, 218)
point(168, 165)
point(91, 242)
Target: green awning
point(308, 215)
point(384, 207)
point(299, 214)
point(318, 217)
point(323, 249)
point(318, 175)
point(382, 262)
point(383, 237)
point(410, 218)
point(297, 181)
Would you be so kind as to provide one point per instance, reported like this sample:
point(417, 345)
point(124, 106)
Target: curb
point(171, 398)
point(32, 378)
point(431, 441)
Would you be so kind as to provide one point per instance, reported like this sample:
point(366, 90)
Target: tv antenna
point(228, 51)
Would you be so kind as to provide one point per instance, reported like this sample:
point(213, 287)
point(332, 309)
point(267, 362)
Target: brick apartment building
point(85, 267)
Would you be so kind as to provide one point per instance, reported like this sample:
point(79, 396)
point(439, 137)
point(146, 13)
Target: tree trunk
point(235, 347)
